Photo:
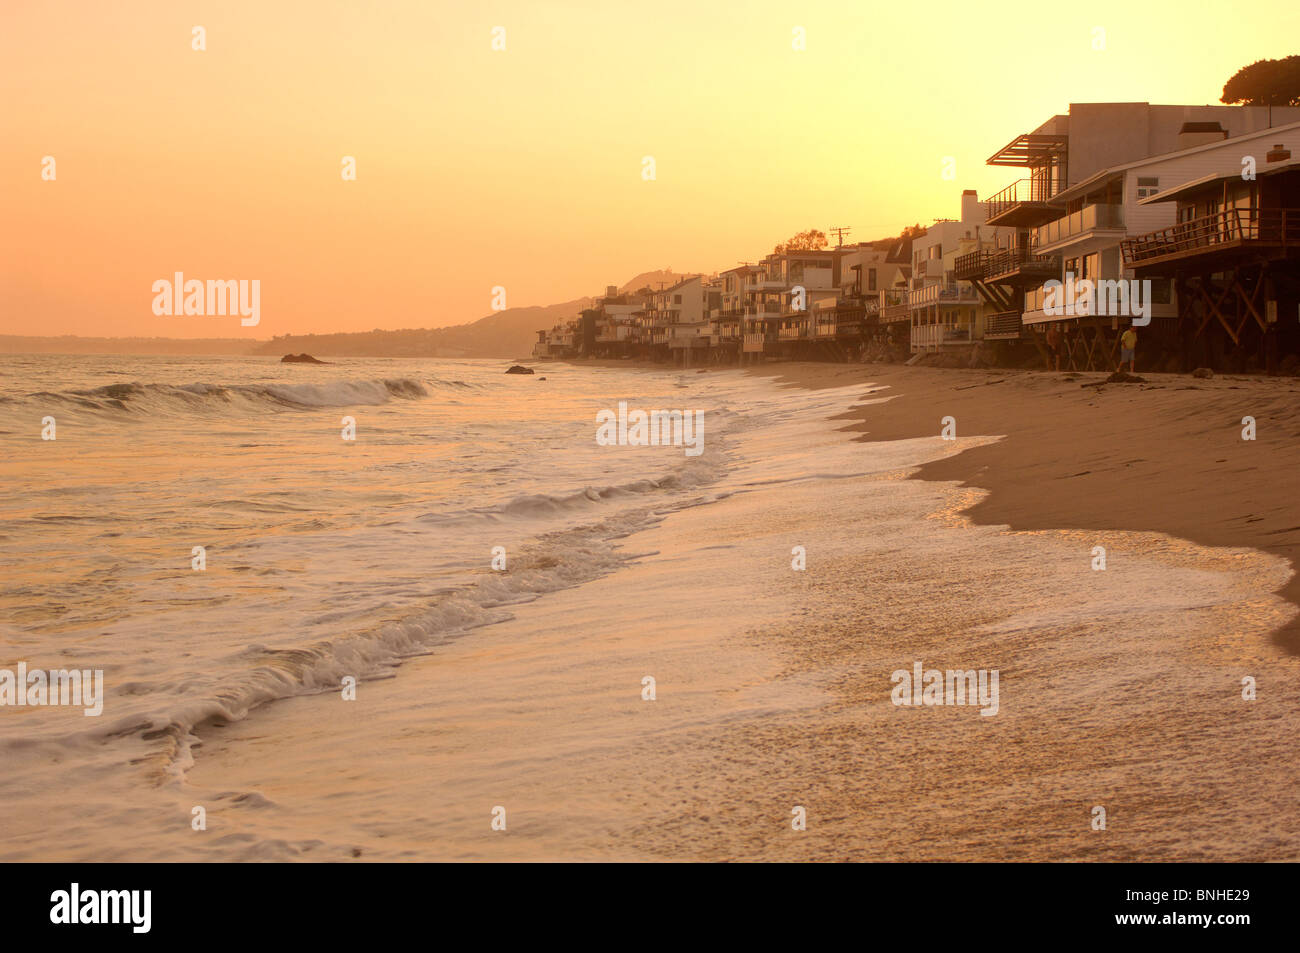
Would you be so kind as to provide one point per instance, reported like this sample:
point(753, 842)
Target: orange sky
point(520, 168)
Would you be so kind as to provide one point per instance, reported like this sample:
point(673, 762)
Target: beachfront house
point(865, 269)
point(1098, 215)
point(945, 311)
point(1067, 150)
point(1232, 252)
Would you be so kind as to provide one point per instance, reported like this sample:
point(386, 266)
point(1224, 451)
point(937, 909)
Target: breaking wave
point(201, 397)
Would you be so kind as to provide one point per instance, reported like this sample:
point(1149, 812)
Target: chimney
point(611, 291)
point(1200, 133)
point(1279, 153)
point(971, 210)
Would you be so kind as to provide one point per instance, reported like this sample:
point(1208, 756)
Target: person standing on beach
point(1054, 347)
point(1128, 348)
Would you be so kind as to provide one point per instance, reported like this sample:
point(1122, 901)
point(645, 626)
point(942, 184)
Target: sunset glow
point(519, 168)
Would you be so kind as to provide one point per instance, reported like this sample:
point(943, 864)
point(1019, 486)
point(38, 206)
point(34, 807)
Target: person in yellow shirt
point(1128, 348)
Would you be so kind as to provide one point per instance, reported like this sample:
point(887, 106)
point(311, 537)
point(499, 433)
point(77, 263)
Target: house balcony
point(893, 306)
point(941, 295)
point(1100, 220)
point(1217, 239)
point(757, 341)
point(1025, 203)
point(1006, 264)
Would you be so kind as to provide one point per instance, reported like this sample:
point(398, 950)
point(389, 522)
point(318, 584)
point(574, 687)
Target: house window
point(1147, 185)
point(871, 279)
point(677, 299)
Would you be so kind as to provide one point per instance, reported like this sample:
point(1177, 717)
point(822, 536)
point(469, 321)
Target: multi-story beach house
point(761, 309)
point(945, 311)
point(730, 316)
point(680, 304)
point(1098, 215)
point(678, 324)
point(616, 327)
point(866, 269)
point(1232, 253)
point(1065, 151)
point(809, 289)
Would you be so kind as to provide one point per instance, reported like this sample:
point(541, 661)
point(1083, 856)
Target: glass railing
point(1077, 223)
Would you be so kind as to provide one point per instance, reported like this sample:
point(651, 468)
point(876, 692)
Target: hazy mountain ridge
point(506, 334)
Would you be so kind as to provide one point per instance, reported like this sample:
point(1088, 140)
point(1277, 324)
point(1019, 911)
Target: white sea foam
point(326, 560)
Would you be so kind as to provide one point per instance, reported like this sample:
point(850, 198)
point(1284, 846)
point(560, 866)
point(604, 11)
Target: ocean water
point(372, 558)
point(323, 557)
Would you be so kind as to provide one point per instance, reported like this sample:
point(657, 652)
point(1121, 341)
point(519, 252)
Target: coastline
point(1119, 689)
point(774, 690)
point(1161, 457)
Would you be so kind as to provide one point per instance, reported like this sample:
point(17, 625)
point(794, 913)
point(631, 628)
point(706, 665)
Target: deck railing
point(941, 294)
point(1087, 219)
point(1233, 226)
point(1022, 190)
point(1004, 261)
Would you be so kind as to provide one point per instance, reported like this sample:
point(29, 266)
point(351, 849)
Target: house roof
point(1029, 149)
point(1098, 178)
point(1178, 191)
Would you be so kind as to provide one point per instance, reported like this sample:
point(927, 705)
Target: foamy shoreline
point(1166, 456)
point(773, 693)
point(774, 689)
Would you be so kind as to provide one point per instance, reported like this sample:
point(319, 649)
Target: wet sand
point(1120, 689)
point(1166, 456)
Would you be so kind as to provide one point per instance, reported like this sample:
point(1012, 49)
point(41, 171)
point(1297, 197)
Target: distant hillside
point(653, 280)
point(505, 334)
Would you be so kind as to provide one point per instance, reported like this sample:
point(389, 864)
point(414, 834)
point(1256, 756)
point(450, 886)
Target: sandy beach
point(1120, 689)
point(775, 686)
point(1166, 456)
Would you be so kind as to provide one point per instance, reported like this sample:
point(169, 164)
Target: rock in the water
point(519, 369)
point(303, 358)
point(1204, 372)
